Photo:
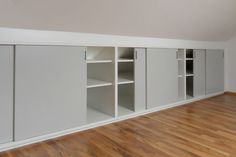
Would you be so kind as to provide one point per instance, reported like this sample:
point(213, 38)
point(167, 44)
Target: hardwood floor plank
point(205, 128)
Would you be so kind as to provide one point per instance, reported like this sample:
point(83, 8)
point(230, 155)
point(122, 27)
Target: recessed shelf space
point(100, 55)
point(189, 54)
point(189, 68)
point(125, 54)
point(91, 83)
point(125, 78)
point(189, 87)
point(125, 99)
point(100, 84)
point(100, 104)
point(125, 73)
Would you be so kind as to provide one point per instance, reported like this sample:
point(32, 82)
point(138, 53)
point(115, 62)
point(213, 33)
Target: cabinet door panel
point(162, 77)
point(199, 72)
point(6, 94)
point(50, 89)
point(214, 71)
point(140, 79)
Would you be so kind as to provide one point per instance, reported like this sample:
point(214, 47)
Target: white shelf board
point(121, 60)
point(122, 111)
point(188, 74)
point(94, 115)
point(179, 59)
point(189, 59)
point(98, 61)
point(188, 97)
point(180, 76)
point(125, 78)
point(92, 83)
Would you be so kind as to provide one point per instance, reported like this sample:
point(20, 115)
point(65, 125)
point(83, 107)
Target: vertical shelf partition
point(181, 74)
point(100, 83)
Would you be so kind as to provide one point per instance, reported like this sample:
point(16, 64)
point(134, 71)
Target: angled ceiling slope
point(208, 20)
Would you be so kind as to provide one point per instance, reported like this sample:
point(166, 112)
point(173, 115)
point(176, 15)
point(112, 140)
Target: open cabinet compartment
point(100, 84)
point(189, 54)
point(189, 87)
point(125, 81)
point(125, 99)
point(100, 54)
point(125, 54)
point(189, 67)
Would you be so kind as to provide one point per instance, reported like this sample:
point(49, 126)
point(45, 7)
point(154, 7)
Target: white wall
point(230, 66)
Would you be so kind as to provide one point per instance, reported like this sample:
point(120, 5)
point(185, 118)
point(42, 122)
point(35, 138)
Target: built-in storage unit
point(50, 89)
point(162, 77)
point(100, 83)
point(214, 71)
point(131, 80)
point(6, 93)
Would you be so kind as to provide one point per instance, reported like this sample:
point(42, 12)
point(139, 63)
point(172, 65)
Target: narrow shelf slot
point(91, 83)
point(189, 53)
point(94, 115)
point(92, 61)
point(125, 78)
point(125, 99)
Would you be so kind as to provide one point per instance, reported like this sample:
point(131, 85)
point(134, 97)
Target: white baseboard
point(12, 145)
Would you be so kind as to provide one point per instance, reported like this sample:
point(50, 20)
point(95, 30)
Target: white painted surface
point(230, 65)
point(214, 71)
point(182, 19)
point(50, 90)
point(6, 93)
point(35, 37)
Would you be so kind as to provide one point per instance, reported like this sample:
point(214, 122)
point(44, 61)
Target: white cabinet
point(6, 94)
point(162, 77)
point(199, 69)
point(50, 89)
point(214, 71)
point(140, 79)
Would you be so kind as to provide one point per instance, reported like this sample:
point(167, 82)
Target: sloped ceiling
point(208, 20)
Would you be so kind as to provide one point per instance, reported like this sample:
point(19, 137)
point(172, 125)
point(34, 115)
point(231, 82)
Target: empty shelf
point(125, 60)
point(98, 61)
point(94, 115)
point(125, 78)
point(91, 83)
point(122, 111)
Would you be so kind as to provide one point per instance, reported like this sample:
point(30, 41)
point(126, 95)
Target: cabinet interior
point(100, 83)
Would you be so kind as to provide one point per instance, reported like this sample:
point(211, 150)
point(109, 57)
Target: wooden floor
point(202, 129)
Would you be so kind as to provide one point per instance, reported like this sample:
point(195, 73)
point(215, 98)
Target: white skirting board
point(12, 145)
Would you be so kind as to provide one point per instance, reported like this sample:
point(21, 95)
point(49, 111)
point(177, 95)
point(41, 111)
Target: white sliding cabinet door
point(214, 71)
point(162, 77)
point(199, 72)
point(50, 89)
point(140, 79)
point(6, 94)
